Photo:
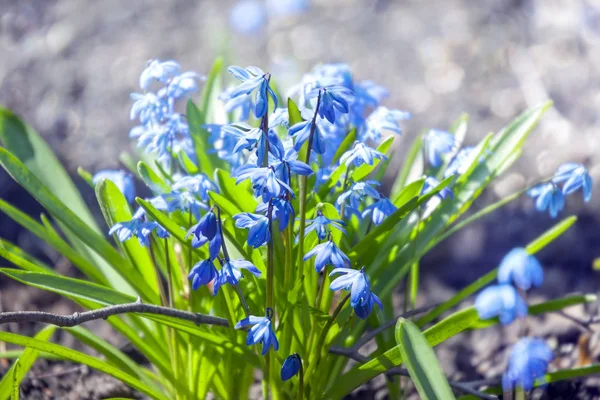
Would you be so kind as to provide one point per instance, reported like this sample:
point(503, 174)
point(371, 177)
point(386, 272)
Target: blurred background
point(67, 67)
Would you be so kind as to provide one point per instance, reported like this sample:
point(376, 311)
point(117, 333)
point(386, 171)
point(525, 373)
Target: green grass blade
point(345, 145)
point(13, 377)
point(81, 358)
point(421, 362)
point(21, 259)
point(151, 179)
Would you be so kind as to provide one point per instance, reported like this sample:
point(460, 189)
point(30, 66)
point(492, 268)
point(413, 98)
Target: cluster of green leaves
point(188, 361)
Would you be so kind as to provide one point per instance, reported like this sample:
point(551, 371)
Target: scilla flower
point(321, 224)
point(576, 177)
point(437, 144)
point(365, 308)
point(361, 297)
point(301, 132)
point(122, 179)
point(231, 273)
point(521, 269)
point(202, 273)
point(265, 182)
point(158, 70)
point(290, 367)
point(207, 231)
point(333, 98)
point(431, 183)
point(361, 154)
point(501, 301)
point(281, 210)
point(380, 210)
point(327, 254)
point(253, 79)
point(258, 225)
point(261, 331)
point(549, 197)
point(138, 228)
point(380, 120)
point(529, 360)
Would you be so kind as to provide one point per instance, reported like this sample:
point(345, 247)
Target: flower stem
point(301, 381)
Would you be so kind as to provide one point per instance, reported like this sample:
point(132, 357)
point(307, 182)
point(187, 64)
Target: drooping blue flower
point(549, 197)
point(301, 132)
point(431, 183)
point(460, 162)
point(279, 117)
point(261, 331)
point(290, 367)
point(158, 70)
point(148, 107)
point(327, 254)
point(182, 85)
point(361, 154)
point(246, 137)
point(438, 143)
point(202, 273)
point(575, 176)
point(288, 163)
point(380, 120)
point(123, 180)
point(529, 360)
point(520, 268)
point(138, 228)
point(379, 210)
point(364, 309)
point(321, 224)
point(265, 182)
point(247, 17)
point(282, 211)
point(242, 103)
point(231, 273)
point(198, 184)
point(354, 280)
point(501, 301)
point(333, 98)
point(353, 197)
point(258, 225)
point(205, 229)
point(253, 78)
point(184, 201)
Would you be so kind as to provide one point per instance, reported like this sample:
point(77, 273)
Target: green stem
point(301, 382)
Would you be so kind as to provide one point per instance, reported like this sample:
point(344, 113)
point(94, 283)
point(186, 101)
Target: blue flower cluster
point(550, 197)
point(530, 357)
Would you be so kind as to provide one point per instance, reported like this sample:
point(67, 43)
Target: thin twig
point(581, 323)
point(103, 313)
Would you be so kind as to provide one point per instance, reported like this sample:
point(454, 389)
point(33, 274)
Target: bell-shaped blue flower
point(327, 254)
point(265, 182)
point(149, 107)
point(258, 225)
point(354, 280)
point(231, 273)
point(242, 104)
point(261, 331)
point(365, 308)
point(549, 197)
point(501, 301)
point(521, 269)
point(361, 154)
point(290, 367)
point(158, 70)
point(287, 163)
point(380, 210)
point(437, 144)
point(431, 183)
point(301, 132)
point(575, 176)
point(253, 79)
point(182, 85)
point(529, 360)
point(333, 98)
point(184, 201)
point(202, 273)
point(381, 120)
point(198, 184)
point(123, 180)
point(138, 228)
point(321, 224)
point(282, 211)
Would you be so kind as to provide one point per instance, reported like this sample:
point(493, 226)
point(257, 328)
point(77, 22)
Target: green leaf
point(212, 83)
point(293, 112)
point(187, 163)
point(13, 377)
point(240, 195)
point(364, 170)
point(81, 358)
point(151, 179)
point(207, 160)
point(345, 145)
point(421, 362)
point(21, 259)
point(408, 166)
point(115, 209)
point(411, 190)
point(86, 176)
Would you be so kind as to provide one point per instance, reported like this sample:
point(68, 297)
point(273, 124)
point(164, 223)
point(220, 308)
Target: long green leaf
point(19, 369)
point(81, 358)
point(21, 259)
point(422, 364)
point(240, 195)
point(207, 160)
point(151, 179)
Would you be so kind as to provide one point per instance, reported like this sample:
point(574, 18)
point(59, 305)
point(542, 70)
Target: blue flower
point(364, 309)
point(382, 119)
point(380, 210)
point(202, 273)
point(258, 225)
point(529, 360)
point(431, 183)
point(182, 85)
point(138, 228)
point(353, 197)
point(361, 297)
point(206, 231)
point(123, 180)
point(265, 182)
point(521, 269)
point(261, 331)
point(549, 197)
point(501, 301)
point(361, 154)
point(301, 132)
point(231, 273)
point(149, 107)
point(280, 117)
point(184, 201)
point(287, 163)
point(246, 137)
point(460, 162)
point(437, 144)
point(198, 184)
point(575, 176)
point(333, 98)
point(242, 103)
point(282, 211)
point(321, 224)
point(290, 367)
point(327, 254)
point(158, 70)
point(253, 78)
